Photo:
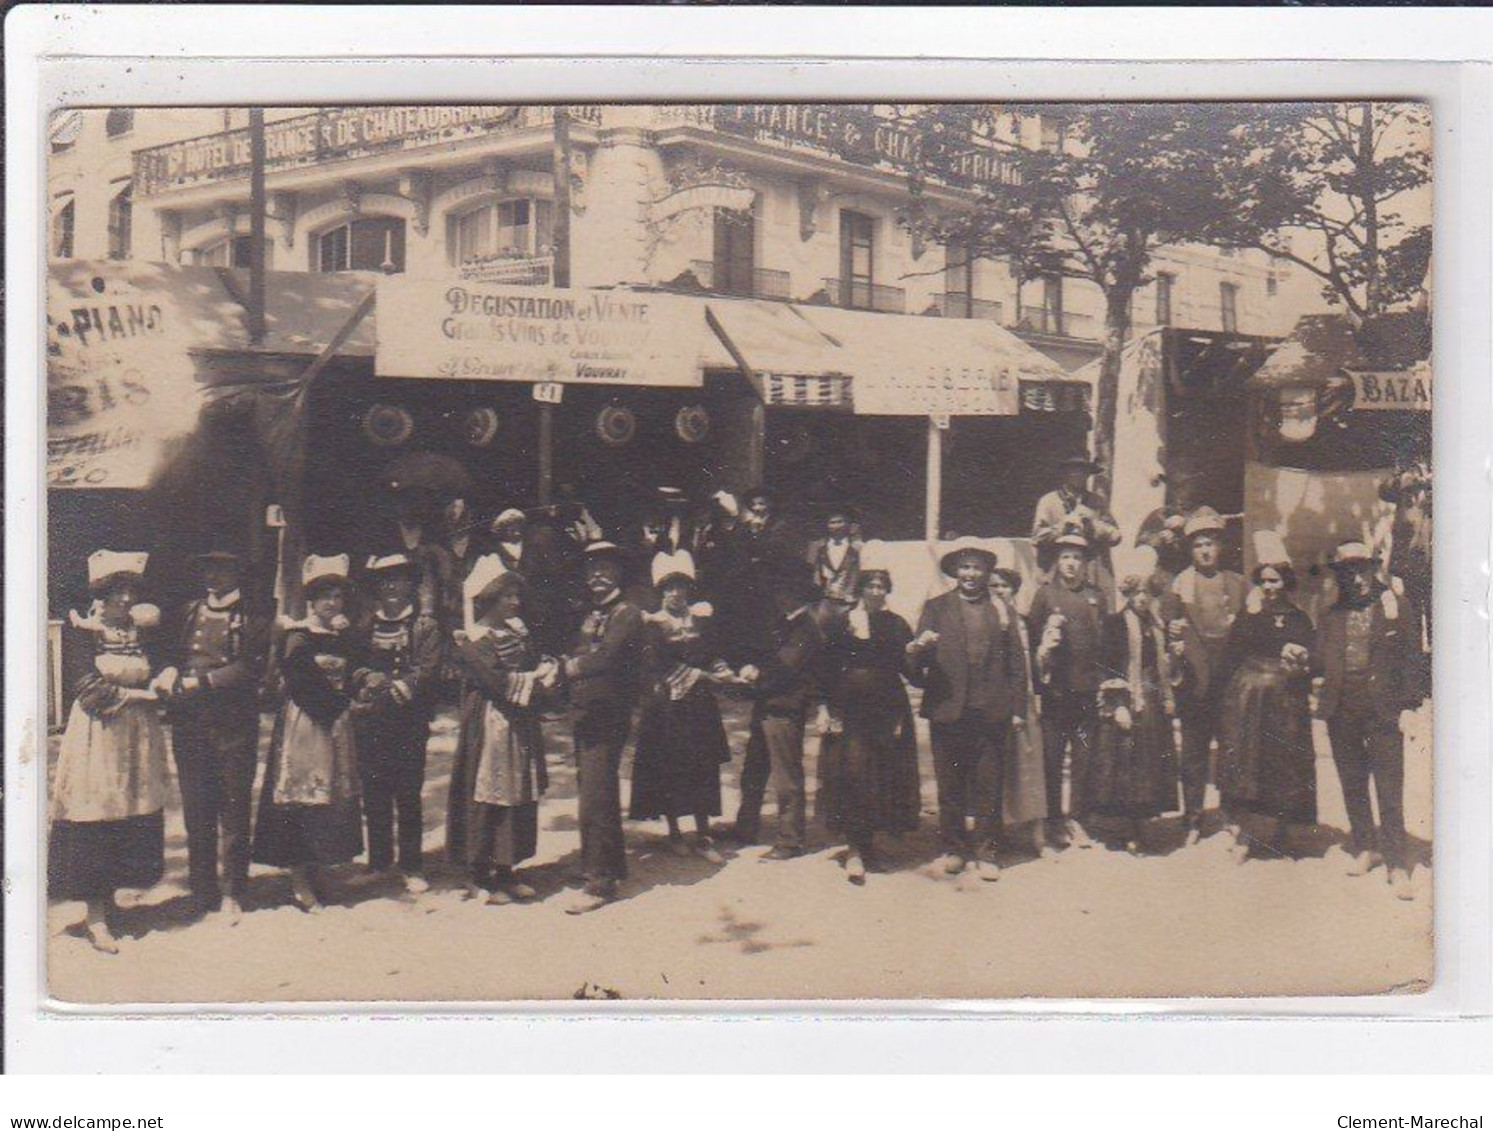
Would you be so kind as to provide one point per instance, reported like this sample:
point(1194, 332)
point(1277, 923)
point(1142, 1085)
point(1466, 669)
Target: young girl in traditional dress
point(681, 739)
point(499, 774)
point(1134, 771)
point(310, 816)
point(109, 792)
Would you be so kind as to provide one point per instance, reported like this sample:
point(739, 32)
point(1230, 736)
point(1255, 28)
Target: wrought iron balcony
point(962, 306)
point(513, 270)
point(762, 284)
point(855, 295)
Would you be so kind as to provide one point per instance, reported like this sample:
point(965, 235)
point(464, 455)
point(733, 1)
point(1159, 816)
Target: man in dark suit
point(1365, 678)
point(969, 660)
point(218, 651)
point(601, 671)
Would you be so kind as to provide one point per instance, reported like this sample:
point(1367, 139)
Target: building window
point(857, 259)
point(958, 281)
point(1272, 284)
point(507, 229)
point(1164, 282)
point(233, 253)
point(62, 231)
point(373, 243)
point(1228, 304)
point(121, 213)
point(117, 123)
point(1052, 133)
point(1052, 305)
point(734, 263)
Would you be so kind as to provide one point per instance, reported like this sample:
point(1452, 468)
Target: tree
point(1127, 179)
point(1353, 179)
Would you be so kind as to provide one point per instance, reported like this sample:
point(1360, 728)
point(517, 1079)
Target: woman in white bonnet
point(109, 792)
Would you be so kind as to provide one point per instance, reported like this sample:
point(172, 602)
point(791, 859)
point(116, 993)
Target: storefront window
point(233, 253)
point(121, 215)
point(995, 468)
point(507, 229)
point(374, 243)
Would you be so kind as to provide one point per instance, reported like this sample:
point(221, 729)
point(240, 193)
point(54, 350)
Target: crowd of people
point(636, 640)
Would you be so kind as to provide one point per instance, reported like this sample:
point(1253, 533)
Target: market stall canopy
point(1388, 354)
point(905, 365)
point(788, 360)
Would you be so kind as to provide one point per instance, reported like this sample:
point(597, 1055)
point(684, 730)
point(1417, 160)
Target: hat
point(508, 517)
point(950, 559)
point(1351, 554)
point(390, 562)
point(1079, 461)
point(1204, 520)
point(604, 549)
point(669, 566)
point(488, 578)
point(829, 509)
point(1072, 539)
point(106, 566)
point(219, 553)
point(1270, 549)
point(672, 497)
point(1011, 577)
point(318, 571)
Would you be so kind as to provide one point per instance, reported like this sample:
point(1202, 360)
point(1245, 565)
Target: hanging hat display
point(104, 565)
point(666, 567)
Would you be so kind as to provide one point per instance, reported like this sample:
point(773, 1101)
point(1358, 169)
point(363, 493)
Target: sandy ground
point(1177, 922)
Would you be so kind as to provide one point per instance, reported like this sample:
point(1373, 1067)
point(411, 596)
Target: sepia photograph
point(715, 552)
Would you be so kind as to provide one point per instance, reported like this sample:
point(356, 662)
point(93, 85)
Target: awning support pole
point(256, 226)
point(546, 454)
point(934, 480)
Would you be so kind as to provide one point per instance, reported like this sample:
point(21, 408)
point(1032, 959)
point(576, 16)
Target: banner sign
point(333, 134)
point(1403, 390)
point(477, 332)
point(121, 384)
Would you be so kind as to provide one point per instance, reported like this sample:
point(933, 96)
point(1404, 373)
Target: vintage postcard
point(828, 552)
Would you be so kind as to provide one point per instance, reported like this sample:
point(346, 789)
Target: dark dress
point(1266, 762)
point(681, 739)
point(499, 773)
point(309, 809)
point(868, 773)
point(1134, 772)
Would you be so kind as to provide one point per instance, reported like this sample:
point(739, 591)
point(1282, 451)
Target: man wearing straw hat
point(219, 648)
point(1365, 678)
point(1199, 612)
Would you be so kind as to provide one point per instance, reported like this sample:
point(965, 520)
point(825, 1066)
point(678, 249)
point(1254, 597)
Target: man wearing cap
point(219, 648)
point(836, 557)
point(740, 578)
point(602, 673)
point(1199, 612)
point(968, 658)
point(1066, 617)
point(782, 676)
point(1365, 678)
point(402, 654)
point(1074, 508)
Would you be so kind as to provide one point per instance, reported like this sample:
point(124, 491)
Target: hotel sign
point(470, 331)
point(327, 135)
point(860, 136)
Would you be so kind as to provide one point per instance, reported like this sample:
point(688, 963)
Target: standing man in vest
point(836, 557)
point(1365, 644)
point(219, 649)
point(969, 660)
point(1199, 613)
point(601, 671)
point(402, 653)
point(1066, 617)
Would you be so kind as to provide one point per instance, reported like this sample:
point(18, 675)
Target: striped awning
point(791, 391)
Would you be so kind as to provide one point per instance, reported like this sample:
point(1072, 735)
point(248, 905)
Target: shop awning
point(1323, 347)
point(788, 360)
point(905, 365)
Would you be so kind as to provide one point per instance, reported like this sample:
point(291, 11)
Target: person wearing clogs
point(1363, 660)
point(1065, 619)
point(218, 646)
point(1267, 775)
point(310, 816)
point(400, 660)
point(968, 658)
point(681, 739)
point(108, 795)
point(499, 774)
point(1199, 612)
point(602, 674)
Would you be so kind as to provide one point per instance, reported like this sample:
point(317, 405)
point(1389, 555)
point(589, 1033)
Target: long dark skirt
point(289, 836)
point(682, 745)
point(1266, 763)
point(499, 838)
point(1134, 773)
point(89, 859)
point(868, 774)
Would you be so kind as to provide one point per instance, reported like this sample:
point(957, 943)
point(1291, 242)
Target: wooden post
point(934, 497)
point(256, 226)
point(559, 277)
point(546, 454)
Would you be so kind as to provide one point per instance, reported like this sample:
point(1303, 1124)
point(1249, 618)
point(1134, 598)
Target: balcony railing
point(763, 283)
point(856, 295)
point(529, 271)
point(1058, 323)
point(962, 306)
